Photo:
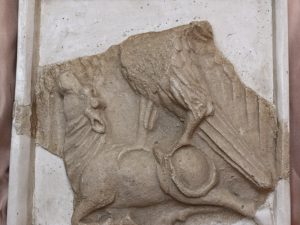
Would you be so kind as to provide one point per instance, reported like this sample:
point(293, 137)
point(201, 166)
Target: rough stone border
point(22, 156)
point(282, 211)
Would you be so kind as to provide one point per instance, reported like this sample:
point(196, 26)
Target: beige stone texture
point(158, 129)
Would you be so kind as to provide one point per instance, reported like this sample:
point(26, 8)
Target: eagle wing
point(183, 70)
point(243, 128)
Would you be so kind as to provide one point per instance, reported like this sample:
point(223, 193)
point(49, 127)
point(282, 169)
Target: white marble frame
point(22, 149)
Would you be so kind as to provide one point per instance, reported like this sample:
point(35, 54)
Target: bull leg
point(84, 207)
point(183, 214)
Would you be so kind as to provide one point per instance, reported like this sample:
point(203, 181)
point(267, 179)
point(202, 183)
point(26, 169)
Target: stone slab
point(244, 32)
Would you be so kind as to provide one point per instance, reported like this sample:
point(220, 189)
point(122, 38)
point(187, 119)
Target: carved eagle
point(184, 72)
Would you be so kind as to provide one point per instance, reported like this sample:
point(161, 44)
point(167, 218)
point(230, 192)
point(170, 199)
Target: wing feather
point(243, 127)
